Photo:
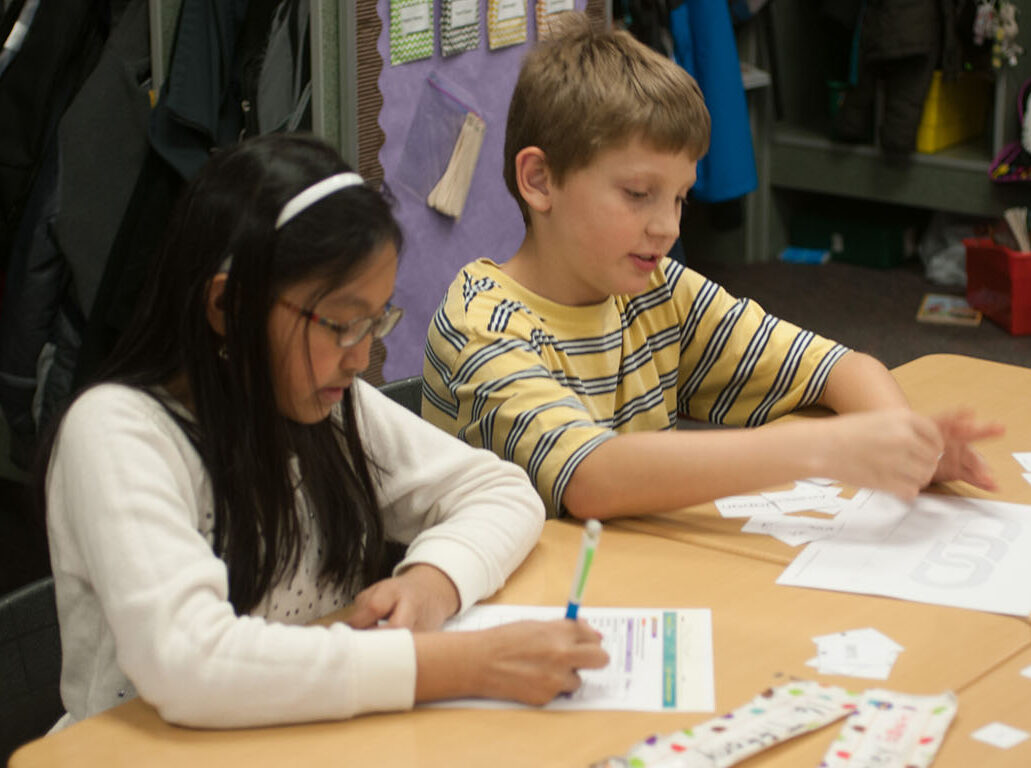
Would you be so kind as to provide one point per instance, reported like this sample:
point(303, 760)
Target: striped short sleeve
point(740, 365)
point(490, 380)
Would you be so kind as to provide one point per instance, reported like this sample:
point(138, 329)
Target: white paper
point(944, 550)
point(1027, 478)
point(1026, 671)
point(745, 506)
point(793, 530)
point(820, 481)
point(1024, 457)
point(660, 659)
point(999, 735)
point(415, 18)
point(511, 9)
point(464, 13)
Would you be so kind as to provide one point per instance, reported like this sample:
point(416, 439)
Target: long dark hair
point(229, 210)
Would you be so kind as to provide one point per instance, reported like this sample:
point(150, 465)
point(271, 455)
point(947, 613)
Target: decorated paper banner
point(459, 26)
point(547, 10)
point(411, 30)
point(892, 730)
point(506, 23)
point(775, 715)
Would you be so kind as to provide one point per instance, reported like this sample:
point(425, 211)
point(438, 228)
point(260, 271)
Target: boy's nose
point(666, 222)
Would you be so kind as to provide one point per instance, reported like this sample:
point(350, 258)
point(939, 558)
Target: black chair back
point(30, 665)
point(407, 392)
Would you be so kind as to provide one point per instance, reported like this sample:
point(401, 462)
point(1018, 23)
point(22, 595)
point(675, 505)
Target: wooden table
point(933, 384)
point(761, 632)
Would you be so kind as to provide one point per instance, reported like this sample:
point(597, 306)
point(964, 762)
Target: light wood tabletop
point(761, 634)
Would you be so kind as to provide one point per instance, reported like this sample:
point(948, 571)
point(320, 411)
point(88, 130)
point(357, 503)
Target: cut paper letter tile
point(856, 653)
point(792, 530)
point(802, 496)
point(745, 506)
point(999, 735)
point(1024, 458)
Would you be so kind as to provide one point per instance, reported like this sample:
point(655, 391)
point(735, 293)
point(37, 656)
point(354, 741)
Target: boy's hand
point(894, 450)
point(421, 599)
point(959, 461)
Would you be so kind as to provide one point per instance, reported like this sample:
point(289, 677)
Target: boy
point(574, 357)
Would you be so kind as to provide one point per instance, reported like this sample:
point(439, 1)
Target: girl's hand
point(531, 662)
point(959, 461)
point(422, 598)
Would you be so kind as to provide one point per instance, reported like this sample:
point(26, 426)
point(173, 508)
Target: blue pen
point(592, 532)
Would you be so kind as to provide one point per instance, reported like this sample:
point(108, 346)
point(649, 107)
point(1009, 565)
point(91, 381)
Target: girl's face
point(310, 370)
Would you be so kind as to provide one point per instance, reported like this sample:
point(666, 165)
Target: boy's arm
point(895, 450)
point(858, 382)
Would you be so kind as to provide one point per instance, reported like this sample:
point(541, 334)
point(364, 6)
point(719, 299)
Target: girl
point(231, 477)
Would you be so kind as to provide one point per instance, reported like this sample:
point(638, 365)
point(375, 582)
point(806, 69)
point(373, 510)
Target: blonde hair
point(582, 92)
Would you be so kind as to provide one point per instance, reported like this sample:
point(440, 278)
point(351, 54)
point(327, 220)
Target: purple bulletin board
point(436, 246)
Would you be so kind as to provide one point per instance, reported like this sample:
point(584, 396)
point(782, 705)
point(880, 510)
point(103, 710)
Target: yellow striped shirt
point(542, 384)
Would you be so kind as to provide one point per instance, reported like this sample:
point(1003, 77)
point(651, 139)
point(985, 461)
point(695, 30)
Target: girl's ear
point(533, 178)
point(215, 305)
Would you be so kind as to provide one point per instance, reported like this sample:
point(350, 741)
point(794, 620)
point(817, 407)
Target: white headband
point(306, 198)
point(314, 193)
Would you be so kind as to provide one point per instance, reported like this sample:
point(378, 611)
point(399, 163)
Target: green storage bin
point(872, 238)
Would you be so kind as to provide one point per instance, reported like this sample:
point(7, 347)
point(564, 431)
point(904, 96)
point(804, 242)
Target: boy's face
point(610, 222)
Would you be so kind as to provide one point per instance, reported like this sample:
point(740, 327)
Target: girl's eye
point(634, 194)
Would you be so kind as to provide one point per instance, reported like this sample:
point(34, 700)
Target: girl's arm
point(462, 510)
point(143, 601)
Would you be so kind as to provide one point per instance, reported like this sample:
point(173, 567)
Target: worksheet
point(946, 550)
point(660, 660)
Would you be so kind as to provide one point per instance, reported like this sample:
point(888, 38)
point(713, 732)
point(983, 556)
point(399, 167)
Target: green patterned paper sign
point(411, 30)
point(459, 26)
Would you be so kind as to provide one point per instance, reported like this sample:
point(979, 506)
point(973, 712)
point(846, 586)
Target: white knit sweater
point(143, 601)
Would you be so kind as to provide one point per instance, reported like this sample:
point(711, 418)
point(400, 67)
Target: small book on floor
point(948, 310)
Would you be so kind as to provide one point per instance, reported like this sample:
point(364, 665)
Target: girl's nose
point(356, 357)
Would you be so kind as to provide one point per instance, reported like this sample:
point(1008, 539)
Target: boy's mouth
point(646, 262)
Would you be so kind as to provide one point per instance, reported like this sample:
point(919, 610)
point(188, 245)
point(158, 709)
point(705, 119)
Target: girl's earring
point(223, 353)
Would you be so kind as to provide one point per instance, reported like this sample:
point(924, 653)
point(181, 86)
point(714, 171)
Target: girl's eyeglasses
point(349, 334)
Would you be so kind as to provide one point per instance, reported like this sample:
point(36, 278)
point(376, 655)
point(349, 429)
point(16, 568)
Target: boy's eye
point(634, 194)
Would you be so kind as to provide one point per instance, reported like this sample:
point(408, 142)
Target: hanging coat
point(703, 44)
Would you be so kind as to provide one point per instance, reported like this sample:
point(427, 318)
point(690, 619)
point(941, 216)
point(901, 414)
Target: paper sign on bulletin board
point(437, 246)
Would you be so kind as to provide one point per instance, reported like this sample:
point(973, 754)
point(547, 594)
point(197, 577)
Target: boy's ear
point(215, 305)
point(533, 178)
